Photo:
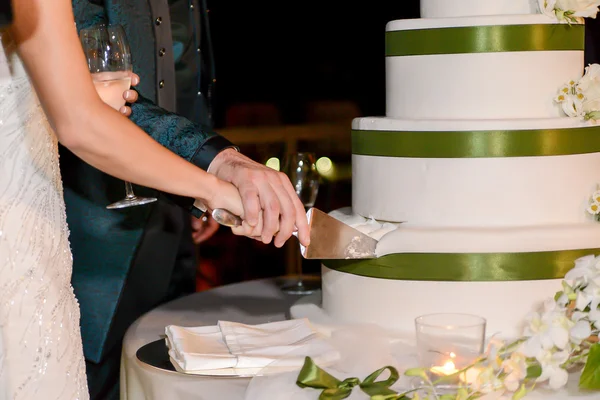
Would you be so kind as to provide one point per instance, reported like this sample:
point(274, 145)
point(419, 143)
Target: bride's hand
point(130, 95)
point(227, 196)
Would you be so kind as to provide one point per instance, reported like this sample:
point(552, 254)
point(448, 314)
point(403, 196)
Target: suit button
point(162, 52)
point(161, 84)
point(158, 21)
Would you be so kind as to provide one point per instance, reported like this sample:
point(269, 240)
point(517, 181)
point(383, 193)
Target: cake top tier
point(467, 8)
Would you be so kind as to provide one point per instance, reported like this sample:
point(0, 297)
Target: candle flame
point(447, 369)
point(450, 367)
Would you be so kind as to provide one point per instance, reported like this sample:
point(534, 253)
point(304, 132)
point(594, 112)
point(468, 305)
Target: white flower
point(569, 10)
point(585, 268)
point(590, 88)
point(562, 300)
point(596, 196)
point(560, 326)
point(547, 7)
point(582, 98)
point(581, 8)
point(552, 372)
point(486, 380)
point(550, 306)
point(493, 360)
point(582, 301)
point(581, 331)
point(534, 324)
point(515, 368)
point(594, 208)
point(545, 332)
point(594, 314)
point(592, 290)
point(571, 99)
point(572, 105)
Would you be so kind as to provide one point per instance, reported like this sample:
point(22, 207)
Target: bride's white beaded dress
point(41, 354)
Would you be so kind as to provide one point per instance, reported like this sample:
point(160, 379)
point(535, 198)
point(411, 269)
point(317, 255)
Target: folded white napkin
point(235, 345)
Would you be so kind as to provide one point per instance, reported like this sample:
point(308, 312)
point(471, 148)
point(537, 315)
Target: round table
point(250, 302)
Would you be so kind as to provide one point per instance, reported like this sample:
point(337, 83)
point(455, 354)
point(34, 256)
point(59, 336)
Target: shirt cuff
point(207, 152)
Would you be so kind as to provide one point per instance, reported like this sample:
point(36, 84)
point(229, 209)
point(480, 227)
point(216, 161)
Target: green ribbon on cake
point(473, 144)
point(466, 267)
point(484, 39)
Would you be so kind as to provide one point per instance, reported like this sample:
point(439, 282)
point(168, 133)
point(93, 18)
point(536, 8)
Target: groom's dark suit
point(124, 259)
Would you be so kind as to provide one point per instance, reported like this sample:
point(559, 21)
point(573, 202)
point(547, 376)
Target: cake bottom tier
point(394, 304)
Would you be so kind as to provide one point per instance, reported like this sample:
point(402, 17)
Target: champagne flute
point(109, 61)
point(302, 172)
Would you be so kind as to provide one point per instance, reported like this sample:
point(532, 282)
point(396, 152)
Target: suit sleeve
point(88, 13)
point(196, 143)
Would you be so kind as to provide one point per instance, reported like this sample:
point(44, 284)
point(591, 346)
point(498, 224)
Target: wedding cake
point(481, 180)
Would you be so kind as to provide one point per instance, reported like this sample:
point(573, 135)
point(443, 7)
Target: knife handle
point(226, 218)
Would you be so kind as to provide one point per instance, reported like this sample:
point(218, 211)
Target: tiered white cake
point(486, 180)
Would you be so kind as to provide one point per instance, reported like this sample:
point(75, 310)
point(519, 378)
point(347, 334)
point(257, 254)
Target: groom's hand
point(203, 228)
point(265, 193)
point(130, 96)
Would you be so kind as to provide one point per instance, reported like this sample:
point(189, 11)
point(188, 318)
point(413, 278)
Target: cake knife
point(330, 239)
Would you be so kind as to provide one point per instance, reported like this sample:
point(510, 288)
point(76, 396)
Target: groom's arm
point(195, 143)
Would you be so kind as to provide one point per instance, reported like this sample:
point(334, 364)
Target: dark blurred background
point(290, 77)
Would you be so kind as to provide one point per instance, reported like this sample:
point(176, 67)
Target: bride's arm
point(50, 49)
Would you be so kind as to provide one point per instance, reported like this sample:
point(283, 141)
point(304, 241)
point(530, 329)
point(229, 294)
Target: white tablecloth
point(251, 302)
point(248, 302)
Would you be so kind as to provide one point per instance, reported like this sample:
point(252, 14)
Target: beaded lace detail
point(41, 354)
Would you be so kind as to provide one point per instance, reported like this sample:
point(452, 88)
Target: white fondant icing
point(427, 23)
point(462, 8)
point(368, 226)
point(411, 238)
point(395, 304)
point(479, 85)
point(392, 124)
point(474, 192)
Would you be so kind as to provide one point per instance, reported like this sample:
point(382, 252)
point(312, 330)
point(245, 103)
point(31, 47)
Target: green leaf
point(595, 115)
point(557, 295)
point(590, 377)
point(462, 393)
point(534, 371)
point(420, 372)
point(519, 394)
point(390, 397)
point(447, 397)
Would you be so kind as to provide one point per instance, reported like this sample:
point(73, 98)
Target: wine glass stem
point(129, 191)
